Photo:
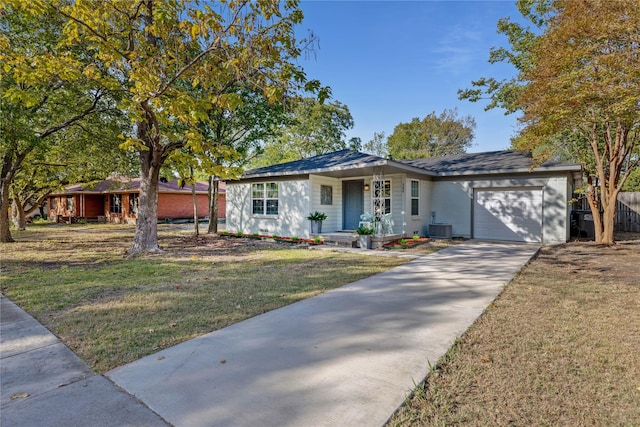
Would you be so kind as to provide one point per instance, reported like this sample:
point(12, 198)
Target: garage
point(508, 214)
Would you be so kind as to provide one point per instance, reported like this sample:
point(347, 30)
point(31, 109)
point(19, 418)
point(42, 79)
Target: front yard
point(559, 346)
point(111, 310)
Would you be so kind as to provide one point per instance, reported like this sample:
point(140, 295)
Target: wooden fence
point(627, 213)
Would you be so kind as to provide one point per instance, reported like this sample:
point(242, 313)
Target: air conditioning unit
point(440, 231)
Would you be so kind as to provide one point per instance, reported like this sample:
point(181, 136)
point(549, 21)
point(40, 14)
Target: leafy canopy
point(432, 136)
point(312, 128)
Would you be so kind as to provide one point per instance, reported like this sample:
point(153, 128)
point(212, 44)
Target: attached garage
point(513, 214)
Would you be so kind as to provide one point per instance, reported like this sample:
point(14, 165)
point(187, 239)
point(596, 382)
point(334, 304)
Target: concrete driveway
point(347, 357)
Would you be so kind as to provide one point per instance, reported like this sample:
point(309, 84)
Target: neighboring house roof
point(348, 162)
point(493, 162)
point(132, 185)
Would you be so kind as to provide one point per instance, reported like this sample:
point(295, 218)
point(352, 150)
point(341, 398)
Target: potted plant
point(316, 219)
point(364, 236)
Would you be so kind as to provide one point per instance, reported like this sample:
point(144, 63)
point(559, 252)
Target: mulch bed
point(405, 243)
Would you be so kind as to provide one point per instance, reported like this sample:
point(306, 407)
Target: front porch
point(349, 238)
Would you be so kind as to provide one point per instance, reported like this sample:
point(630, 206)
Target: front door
point(352, 203)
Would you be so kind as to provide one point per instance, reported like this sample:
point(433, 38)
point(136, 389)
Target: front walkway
point(347, 357)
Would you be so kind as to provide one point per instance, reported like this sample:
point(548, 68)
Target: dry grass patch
point(560, 346)
point(112, 310)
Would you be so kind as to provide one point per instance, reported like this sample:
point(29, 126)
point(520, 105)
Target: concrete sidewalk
point(43, 383)
point(348, 357)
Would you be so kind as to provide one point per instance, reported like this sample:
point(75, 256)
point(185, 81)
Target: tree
point(234, 138)
point(432, 136)
point(578, 89)
point(313, 128)
point(633, 181)
point(157, 52)
point(377, 145)
point(48, 92)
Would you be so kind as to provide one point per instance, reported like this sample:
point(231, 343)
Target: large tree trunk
point(146, 236)
point(18, 214)
point(6, 176)
point(196, 225)
point(603, 209)
point(214, 191)
point(5, 230)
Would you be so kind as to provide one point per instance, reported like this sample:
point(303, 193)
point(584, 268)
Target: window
point(115, 203)
point(382, 197)
point(264, 198)
point(52, 203)
point(69, 203)
point(134, 203)
point(326, 195)
point(415, 198)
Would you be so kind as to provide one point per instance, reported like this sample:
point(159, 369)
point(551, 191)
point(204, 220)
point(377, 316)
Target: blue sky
point(390, 61)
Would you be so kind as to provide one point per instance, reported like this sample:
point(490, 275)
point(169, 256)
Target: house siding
point(418, 225)
point(293, 209)
point(334, 210)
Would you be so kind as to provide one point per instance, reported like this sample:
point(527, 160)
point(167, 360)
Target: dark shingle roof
point(494, 162)
point(337, 160)
point(125, 185)
point(485, 163)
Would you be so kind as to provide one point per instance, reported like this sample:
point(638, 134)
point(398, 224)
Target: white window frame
point(266, 196)
point(115, 207)
point(375, 185)
point(416, 197)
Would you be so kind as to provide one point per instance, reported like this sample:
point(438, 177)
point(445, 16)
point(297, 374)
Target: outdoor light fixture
point(366, 187)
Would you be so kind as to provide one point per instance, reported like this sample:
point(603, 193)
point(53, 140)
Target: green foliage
point(60, 118)
point(432, 136)
point(171, 63)
point(403, 241)
point(377, 145)
point(367, 231)
point(317, 216)
point(633, 181)
point(415, 237)
point(312, 128)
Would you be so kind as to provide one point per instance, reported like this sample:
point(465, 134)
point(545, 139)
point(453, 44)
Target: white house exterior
point(494, 196)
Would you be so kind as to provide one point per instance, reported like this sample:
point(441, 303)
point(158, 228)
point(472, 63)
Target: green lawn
point(112, 310)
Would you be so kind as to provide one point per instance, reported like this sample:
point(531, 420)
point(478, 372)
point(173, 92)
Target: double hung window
point(264, 198)
point(415, 198)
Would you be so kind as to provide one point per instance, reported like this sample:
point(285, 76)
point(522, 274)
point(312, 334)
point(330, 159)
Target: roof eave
point(362, 165)
point(566, 168)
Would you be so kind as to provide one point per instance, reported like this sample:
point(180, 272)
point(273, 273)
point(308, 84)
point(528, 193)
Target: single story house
point(494, 195)
point(116, 199)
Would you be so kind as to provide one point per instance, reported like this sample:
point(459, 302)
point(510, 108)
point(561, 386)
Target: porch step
point(338, 239)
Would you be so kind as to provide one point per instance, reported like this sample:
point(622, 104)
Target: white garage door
point(513, 215)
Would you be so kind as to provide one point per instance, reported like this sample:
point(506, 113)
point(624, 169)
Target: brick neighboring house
point(115, 200)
